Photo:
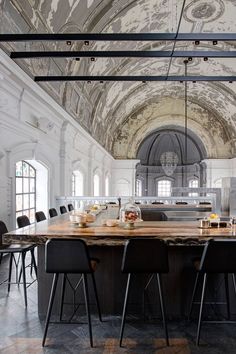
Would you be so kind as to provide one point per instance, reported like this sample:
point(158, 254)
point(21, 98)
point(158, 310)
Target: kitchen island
point(185, 240)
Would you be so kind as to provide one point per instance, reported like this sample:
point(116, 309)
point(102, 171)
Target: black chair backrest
point(157, 203)
point(40, 216)
point(23, 221)
point(181, 203)
point(52, 212)
point(3, 230)
point(204, 203)
point(73, 255)
point(219, 257)
point(70, 207)
point(153, 215)
point(63, 209)
point(145, 256)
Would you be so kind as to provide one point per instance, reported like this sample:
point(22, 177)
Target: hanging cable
point(185, 113)
point(176, 35)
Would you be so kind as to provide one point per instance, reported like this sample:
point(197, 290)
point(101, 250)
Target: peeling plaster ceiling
point(119, 115)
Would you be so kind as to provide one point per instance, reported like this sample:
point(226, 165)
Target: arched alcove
point(170, 139)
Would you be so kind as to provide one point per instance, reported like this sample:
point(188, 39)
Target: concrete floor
point(21, 331)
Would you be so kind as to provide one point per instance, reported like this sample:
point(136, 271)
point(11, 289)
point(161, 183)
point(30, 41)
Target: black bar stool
point(74, 259)
point(63, 209)
point(40, 216)
point(52, 212)
point(145, 256)
point(23, 221)
point(12, 250)
point(218, 257)
point(70, 207)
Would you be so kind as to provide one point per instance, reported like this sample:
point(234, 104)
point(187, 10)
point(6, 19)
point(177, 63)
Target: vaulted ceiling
point(119, 115)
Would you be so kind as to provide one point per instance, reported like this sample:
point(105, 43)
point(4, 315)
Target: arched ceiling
point(119, 115)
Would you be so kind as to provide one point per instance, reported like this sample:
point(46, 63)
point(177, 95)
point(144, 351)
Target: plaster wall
point(34, 127)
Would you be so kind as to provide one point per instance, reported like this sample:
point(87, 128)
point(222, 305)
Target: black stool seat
point(52, 212)
point(23, 221)
point(63, 209)
point(218, 257)
point(70, 207)
point(40, 216)
point(14, 248)
point(20, 249)
point(74, 259)
point(145, 256)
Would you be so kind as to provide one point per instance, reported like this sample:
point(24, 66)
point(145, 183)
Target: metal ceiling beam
point(117, 37)
point(123, 54)
point(135, 78)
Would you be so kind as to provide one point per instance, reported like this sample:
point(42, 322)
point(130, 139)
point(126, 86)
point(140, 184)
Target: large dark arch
point(170, 138)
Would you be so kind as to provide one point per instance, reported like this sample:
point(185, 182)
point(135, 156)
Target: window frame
point(23, 177)
point(166, 181)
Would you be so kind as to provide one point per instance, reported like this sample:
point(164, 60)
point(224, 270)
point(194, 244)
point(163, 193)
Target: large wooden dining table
point(185, 241)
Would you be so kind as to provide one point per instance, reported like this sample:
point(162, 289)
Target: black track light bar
point(135, 78)
point(20, 37)
point(124, 54)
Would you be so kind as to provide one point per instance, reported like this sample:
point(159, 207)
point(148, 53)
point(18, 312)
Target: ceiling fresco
point(119, 115)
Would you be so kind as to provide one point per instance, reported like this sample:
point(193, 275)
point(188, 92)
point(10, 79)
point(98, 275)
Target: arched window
point(77, 183)
point(217, 183)
point(193, 183)
point(96, 185)
point(164, 188)
point(25, 190)
point(107, 186)
point(138, 188)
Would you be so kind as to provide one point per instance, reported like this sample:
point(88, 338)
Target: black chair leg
point(201, 307)
point(24, 277)
point(193, 296)
point(96, 297)
point(162, 308)
point(234, 282)
point(50, 304)
point(10, 272)
point(62, 295)
point(227, 295)
point(86, 297)
point(33, 262)
point(124, 309)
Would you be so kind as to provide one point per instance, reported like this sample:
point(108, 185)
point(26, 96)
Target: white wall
point(216, 169)
point(123, 177)
point(34, 127)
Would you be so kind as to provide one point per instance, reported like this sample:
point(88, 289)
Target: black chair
point(63, 209)
point(153, 215)
point(204, 203)
point(136, 254)
point(70, 207)
point(157, 203)
point(40, 216)
point(74, 259)
point(181, 203)
point(23, 221)
point(12, 250)
point(52, 212)
point(218, 257)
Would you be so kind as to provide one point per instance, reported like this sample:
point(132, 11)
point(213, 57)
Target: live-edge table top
point(175, 232)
